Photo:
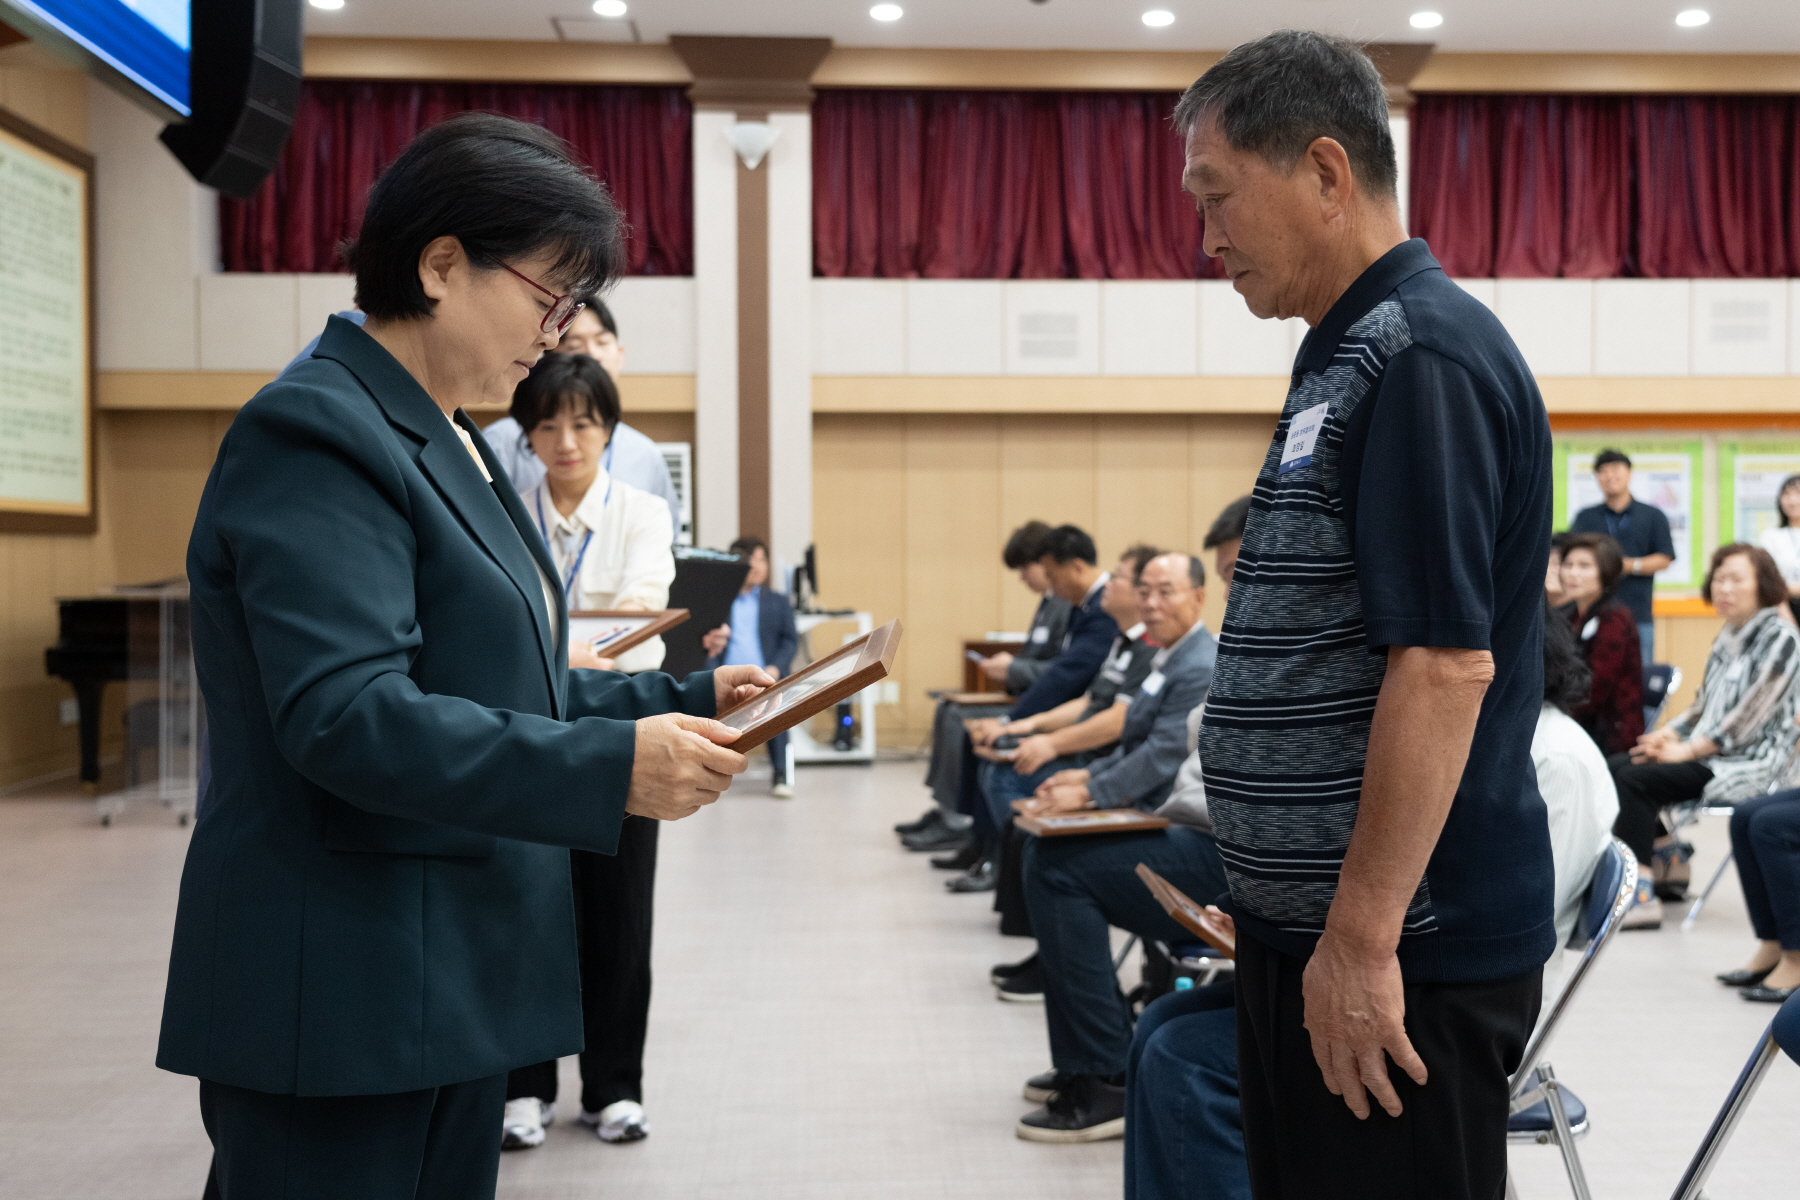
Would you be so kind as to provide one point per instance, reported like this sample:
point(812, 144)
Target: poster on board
point(46, 353)
point(1750, 477)
point(1665, 474)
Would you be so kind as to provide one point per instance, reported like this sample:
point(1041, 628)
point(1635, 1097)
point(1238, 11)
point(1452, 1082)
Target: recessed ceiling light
point(1427, 20)
point(887, 12)
point(1692, 18)
point(329, 5)
point(1156, 18)
point(609, 8)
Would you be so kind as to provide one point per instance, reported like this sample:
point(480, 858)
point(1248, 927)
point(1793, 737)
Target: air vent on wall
point(1049, 335)
point(1741, 322)
point(595, 29)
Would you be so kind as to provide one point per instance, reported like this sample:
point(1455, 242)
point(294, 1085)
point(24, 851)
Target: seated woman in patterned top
point(1613, 713)
point(1737, 737)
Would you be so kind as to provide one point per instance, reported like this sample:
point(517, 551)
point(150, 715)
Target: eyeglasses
point(563, 309)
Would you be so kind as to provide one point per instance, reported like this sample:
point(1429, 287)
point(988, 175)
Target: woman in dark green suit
point(375, 921)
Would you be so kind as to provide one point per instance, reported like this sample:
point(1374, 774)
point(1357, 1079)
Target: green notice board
point(1750, 475)
point(1665, 472)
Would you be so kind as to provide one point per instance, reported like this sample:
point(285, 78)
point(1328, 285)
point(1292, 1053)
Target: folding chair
point(1543, 1112)
point(1661, 680)
point(1783, 1034)
point(1693, 810)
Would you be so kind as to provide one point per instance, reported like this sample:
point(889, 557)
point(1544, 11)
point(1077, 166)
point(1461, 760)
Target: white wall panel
point(1641, 326)
point(715, 312)
point(247, 322)
point(1149, 327)
point(1232, 342)
point(1551, 321)
point(1740, 326)
point(316, 298)
point(1053, 327)
point(656, 323)
point(1794, 326)
point(1482, 289)
point(859, 326)
point(789, 167)
point(955, 327)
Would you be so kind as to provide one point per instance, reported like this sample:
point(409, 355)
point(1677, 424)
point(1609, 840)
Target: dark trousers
point(778, 748)
point(1000, 786)
point(1449, 1143)
point(613, 906)
point(950, 750)
point(441, 1143)
point(1184, 1131)
point(1645, 789)
point(1078, 886)
point(1765, 837)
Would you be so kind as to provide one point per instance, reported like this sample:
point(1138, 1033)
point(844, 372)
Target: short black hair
point(505, 189)
point(1026, 545)
point(565, 381)
point(1790, 481)
point(1230, 525)
point(1610, 455)
point(591, 301)
point(747, 545)
point(1067, 543)
point(1609, 560)
point(1139, 555)
point(1279, 94)
point(1568, 681)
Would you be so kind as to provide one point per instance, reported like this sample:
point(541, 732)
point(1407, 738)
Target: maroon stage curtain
point(637, 139)
point(1001, 185)
point(1591, 187)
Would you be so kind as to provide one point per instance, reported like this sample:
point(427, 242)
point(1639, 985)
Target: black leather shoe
point(962, 860)
point(1743, 979)
point(1086, 1109)
point(1005, 971)
point(979, 878)
point(1043, 1088)
point(1026, 987)
point(933, 816)
point(938, 837)
point(1767, 995)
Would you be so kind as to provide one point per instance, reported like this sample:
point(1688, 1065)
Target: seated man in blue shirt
point(761, 632)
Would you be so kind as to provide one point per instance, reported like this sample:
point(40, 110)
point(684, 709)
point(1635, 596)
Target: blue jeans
point(1184, 1132)
point(1765, 837)
point(1001, 785)
point(1075, 888)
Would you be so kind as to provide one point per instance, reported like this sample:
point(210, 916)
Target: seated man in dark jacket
point(761, 633)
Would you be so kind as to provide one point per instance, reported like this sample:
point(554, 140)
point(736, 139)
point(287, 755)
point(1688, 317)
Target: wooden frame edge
point(664, 619)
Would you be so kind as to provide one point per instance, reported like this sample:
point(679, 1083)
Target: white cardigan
point(628, 560)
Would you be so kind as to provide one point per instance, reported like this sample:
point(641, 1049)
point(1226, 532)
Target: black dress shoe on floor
point(1087, 1109)
point(938, 837)
point(1027, 987)
point(1043, 1088)
point(1743, 979)
point(1767, 995)
point(962, 860)
point(933, 816)
point(979, 878)
point(1005, 971)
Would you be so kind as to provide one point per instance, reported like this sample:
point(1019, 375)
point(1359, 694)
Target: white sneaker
point(782, 791)
point(523, 1125)
point(621, 1121)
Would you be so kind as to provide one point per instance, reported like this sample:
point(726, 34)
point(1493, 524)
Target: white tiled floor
point(822, 1026)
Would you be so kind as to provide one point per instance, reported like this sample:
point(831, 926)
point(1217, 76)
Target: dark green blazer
point(376, 898)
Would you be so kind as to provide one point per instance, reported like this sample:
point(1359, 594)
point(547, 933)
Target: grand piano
point(120, 636)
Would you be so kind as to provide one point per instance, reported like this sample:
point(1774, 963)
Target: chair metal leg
point(1694, 1179)
point(1565, 1137)
point(1693, 915)
point(1123, 951)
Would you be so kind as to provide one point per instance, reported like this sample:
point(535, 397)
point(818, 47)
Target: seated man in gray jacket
point(1077, 886)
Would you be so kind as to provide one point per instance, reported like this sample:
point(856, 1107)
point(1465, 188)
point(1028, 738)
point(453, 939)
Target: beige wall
point(910, 513)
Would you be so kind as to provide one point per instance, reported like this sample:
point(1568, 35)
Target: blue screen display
point(146, 40)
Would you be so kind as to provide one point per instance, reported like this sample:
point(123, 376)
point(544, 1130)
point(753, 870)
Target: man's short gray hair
point(1277, 95)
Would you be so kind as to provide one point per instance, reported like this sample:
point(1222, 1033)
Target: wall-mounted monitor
point(140, 46)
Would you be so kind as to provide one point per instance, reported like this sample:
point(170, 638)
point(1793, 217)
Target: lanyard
point(574, 566)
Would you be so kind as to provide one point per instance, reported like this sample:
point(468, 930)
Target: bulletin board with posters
point(1665, 472)
point(1750, 476)
point(46, 332)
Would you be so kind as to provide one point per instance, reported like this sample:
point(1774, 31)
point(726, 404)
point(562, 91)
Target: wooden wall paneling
point(1225, 453)
point(159, 466)
point(51, 97)
point(1047, 472)
point(1142, 480)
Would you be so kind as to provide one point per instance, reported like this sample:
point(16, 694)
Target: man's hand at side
point(734, 685)
point(680, 765)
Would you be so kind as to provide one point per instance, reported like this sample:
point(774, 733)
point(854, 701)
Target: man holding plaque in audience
point(1366, 747)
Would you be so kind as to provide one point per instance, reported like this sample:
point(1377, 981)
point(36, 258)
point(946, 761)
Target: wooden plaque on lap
point(1090, 820)
point(838, 676)
point(611, 632)
point(1190, 916)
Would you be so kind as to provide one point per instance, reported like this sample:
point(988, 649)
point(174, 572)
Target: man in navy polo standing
point(1642, 532)
point(1366, 748)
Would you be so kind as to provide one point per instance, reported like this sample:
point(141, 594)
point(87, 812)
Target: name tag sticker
point(1303, 433)
point(1152, 683)
point(1040, 635)
point(1735, 671)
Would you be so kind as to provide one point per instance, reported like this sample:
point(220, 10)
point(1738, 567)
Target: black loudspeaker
point(246, 86)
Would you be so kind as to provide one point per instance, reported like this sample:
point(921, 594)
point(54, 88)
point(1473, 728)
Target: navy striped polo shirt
point(1405, 501)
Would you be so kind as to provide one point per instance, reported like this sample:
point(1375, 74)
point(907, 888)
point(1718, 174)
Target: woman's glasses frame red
point(563, 309)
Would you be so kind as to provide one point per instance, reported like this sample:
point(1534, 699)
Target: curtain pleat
point(636, 139)
point(1592, 187)
point(1001, 185)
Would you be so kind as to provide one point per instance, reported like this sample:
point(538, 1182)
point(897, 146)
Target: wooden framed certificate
point(1190, 916)
point(610, 633)
point(1087, 820)
point(806, 693)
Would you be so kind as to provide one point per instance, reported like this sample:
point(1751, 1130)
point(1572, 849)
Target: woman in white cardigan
point(611, 545)
point(610, 541)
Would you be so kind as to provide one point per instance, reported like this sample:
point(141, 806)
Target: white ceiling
point(1738, 26)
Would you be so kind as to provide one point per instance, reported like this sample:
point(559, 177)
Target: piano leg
point(88, 694)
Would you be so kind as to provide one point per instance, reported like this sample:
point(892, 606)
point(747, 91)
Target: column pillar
point(753, 270)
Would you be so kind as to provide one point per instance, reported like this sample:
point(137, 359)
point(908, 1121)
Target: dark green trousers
point(441, 1143)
